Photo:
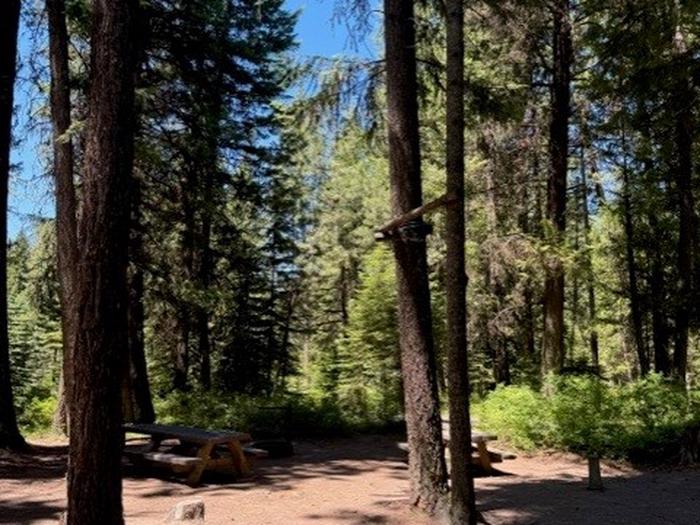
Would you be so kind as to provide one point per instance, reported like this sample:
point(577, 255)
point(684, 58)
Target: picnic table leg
point(484, 457)
point(240, 463)
point(154, 443)
point(204, 454)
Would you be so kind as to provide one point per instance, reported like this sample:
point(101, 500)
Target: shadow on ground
point(664, 498)
point(535, 494)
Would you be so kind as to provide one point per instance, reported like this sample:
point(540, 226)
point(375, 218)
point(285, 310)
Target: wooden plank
point(483, 437)
point(186, 434)
point(171, 459)
point(383, 231)
point(256, 452)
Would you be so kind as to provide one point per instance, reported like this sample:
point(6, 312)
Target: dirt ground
point(364, 481)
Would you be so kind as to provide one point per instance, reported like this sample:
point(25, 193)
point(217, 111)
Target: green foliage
point(517, 414)
point(291, 415)
point(34, 326)
point(369, 383)
point(642, 420)
point(37, 415)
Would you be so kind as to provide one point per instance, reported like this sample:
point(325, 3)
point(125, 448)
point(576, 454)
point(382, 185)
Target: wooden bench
point(215, 450)
point(177, 462)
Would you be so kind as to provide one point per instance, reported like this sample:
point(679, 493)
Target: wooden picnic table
point(205, 442)
point(485, 458)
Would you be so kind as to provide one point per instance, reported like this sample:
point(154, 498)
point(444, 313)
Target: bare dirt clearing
point(363, 480)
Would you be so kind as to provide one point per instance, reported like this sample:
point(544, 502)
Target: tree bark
point(687, 241)
point(634, 296)
point(659, 324)
point(66, 214)
point(182, 349)
point(94, 477)
point(426, 453)
point(590, 281)
point(462, 502)
point(553, 335)
point(10, 436)
point(495, 343)
point(139, 387)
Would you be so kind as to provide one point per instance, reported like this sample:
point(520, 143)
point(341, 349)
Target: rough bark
point(94, 477)
point(684, 131)
point(427, 470)
point(181, 360)
point(553, 334)
point(10, 436)
point(462, 503)
point(495, 343)
point(139, 388)
point(632, 277)
point(659, 324)
point(66, 222)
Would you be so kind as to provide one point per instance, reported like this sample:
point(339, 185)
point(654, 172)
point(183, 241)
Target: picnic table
point(206, 443)
point(484, 457)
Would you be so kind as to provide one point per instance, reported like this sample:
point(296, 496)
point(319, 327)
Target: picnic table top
point(477, 436)
point(187, 434)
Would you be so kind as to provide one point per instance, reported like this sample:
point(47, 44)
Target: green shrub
point(291, 415)
point(585, 414)
point(518, 414)
point(37, 416)
point(642, 420)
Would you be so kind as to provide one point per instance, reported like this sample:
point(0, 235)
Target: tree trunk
point(204, 278)
point(574, 308)
point(94, 466)
point(659, 324)
point(634, 297)
point(10, 436)
point(495, 343)
point(427, 470)
point(553, 335)
point(66, 222)
point(140, 390)
point(590, 280)
point(462, 503)
point(182, 349)
point(683, 98)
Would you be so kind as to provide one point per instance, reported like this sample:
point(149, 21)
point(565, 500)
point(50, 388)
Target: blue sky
point(318, 34)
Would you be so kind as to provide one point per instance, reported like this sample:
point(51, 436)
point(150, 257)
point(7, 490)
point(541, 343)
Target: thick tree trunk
point(686, 234)
point(495, 343)
point(426, 454)
point(181, 362)
point(139, 387)
point(66, 222)
point(94, 466)
point(462, 503)
point(553, 335)
point(634, 296)
point(659, 324)
point(10, 436)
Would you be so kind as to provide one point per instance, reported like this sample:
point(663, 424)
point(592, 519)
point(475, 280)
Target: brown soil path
point(364, 481)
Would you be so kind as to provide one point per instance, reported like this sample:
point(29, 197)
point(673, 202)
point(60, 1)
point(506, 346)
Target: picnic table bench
point(205, 443)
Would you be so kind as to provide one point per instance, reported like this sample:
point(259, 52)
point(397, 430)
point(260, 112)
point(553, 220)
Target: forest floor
point(364, 480)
